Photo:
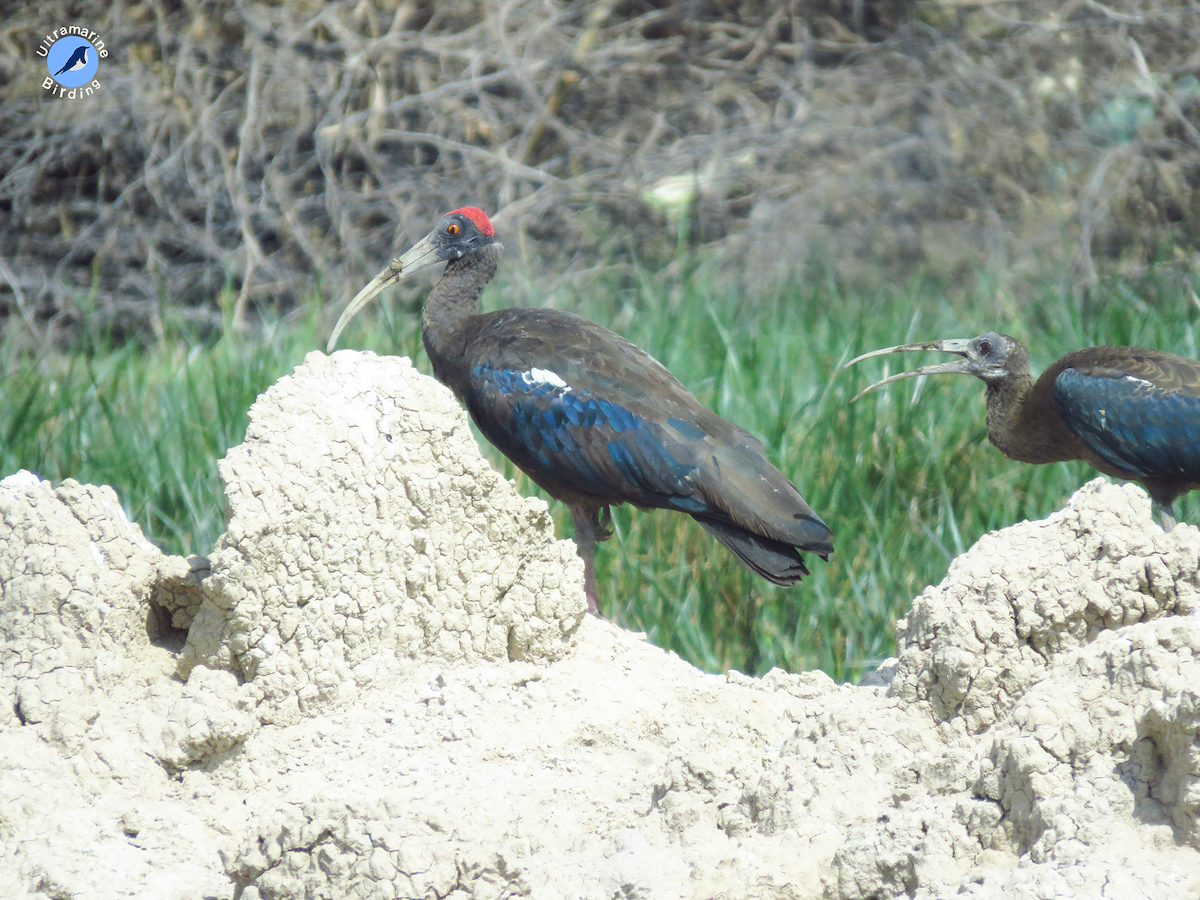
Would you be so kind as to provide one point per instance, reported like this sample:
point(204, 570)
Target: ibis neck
point(1023, 424)
point(451, 305)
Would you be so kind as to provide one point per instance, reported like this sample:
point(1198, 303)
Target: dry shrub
point(258, 147)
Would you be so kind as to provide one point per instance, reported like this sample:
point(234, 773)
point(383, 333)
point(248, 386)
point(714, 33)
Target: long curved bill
point(422, 255)
point(957, 346)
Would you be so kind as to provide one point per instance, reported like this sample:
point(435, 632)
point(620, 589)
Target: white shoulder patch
point(538, 377)
point(1138, 380)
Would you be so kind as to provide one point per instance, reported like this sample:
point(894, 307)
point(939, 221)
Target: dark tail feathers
point(774, 560)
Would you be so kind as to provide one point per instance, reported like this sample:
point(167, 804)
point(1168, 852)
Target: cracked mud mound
point(388, 689)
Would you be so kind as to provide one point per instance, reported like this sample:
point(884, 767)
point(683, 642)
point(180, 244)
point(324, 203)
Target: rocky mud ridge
point(382, 684)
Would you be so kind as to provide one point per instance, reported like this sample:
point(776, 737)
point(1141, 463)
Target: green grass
point(905, 487)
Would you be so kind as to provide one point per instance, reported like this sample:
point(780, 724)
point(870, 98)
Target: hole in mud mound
point(1158, 771)
point(161, 632)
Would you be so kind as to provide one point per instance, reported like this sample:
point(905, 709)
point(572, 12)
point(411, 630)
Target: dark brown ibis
point(1130, 412)
point(591, 418)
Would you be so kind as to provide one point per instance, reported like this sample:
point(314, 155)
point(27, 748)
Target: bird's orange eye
point(451, 229)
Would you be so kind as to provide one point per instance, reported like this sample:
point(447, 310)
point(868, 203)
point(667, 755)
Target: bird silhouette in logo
point(77, 60)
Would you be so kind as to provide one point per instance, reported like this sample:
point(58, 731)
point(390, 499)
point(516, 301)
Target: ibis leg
point(588, 530)
point(1166, 513)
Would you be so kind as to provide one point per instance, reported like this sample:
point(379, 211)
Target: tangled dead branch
point(239, 151)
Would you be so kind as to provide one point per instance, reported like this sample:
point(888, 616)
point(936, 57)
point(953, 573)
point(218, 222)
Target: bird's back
point(589, 416)
point(1136, 410)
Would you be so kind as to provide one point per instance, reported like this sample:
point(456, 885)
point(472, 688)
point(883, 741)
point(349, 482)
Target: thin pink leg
point(588, 530)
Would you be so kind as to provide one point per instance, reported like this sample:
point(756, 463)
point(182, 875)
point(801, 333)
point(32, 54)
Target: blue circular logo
point(72, 61)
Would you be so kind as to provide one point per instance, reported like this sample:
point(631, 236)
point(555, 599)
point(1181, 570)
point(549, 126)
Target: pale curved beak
point(422, 255)
point(957, 367)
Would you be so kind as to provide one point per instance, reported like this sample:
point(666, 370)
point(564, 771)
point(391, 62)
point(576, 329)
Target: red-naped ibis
point(1130, 412)
point(591, 418)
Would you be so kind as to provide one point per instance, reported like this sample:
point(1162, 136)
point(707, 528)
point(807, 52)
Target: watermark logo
point(73, 57)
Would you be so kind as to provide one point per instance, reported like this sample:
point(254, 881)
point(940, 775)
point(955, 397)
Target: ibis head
point(459, 233)
point(993, 358)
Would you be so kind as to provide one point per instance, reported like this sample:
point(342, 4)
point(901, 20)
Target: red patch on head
point(476, 215)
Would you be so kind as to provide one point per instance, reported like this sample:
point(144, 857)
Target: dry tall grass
point(259, 146)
